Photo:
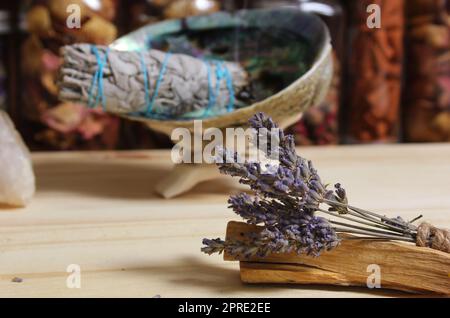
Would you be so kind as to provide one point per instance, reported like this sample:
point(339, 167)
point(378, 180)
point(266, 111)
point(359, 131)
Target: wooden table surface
point(98, 210)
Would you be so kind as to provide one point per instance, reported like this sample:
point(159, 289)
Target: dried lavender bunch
point(288, 196)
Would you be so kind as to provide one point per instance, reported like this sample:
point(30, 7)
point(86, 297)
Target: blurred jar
point(427, 94)
point(49, 123)
point(375, 56)
point(4, 32)
point(150, 11)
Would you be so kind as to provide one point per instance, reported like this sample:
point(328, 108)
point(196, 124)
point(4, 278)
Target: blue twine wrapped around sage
point(97, 80)
point(158, 83)
point(221, 73)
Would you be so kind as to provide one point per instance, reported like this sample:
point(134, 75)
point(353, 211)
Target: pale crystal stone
point(17, 183)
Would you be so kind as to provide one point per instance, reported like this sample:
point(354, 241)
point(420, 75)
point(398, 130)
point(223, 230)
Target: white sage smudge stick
point(127, 81)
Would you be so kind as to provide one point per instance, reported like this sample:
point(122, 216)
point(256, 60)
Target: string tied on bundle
point(431, 236)
point(97, 80)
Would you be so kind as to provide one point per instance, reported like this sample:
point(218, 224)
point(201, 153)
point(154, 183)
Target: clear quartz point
point(17, 181)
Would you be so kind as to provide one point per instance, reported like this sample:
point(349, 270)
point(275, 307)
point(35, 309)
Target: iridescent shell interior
point(286, 53)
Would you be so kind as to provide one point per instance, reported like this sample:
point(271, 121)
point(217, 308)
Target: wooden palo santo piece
point(403, 266)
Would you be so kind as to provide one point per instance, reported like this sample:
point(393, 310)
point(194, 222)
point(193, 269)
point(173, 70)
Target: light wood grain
point(403, 266)
point(99, 210)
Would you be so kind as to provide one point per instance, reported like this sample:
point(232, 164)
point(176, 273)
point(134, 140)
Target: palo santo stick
point(258, 273)
point(403, 266)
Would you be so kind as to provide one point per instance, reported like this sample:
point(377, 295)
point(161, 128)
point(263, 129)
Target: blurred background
point(391, 84)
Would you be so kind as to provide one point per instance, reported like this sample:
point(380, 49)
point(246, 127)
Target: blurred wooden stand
point(184, 177)
point(403, 266)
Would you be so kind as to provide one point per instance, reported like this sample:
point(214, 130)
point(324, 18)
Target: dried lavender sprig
point(213, 246)
point(274, 240)
point(286, 199)
point(340, 202)
point(281, 197)
point(234, 248)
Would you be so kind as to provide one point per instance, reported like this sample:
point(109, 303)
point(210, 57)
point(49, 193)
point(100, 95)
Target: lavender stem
point(388, 237)
point(361, 211)
point(365, 229)
point(381, 225)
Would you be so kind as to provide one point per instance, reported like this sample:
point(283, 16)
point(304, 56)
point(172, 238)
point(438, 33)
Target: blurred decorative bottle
point(320, 125)
point(427, 93)
point(375, 55)
point(50, 124)
point(4, 31)
point(150, 11)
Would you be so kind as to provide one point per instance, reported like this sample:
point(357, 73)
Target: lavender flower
point(284, 202)
point(287, 197)
point(339, 195)
point(213, 246)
